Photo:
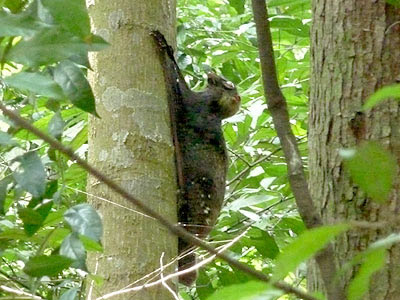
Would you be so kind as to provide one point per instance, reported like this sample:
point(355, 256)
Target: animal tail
point(184, 263)
point(188, 260)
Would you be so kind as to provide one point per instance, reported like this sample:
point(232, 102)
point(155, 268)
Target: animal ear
point(228, 85)
point(213, 78)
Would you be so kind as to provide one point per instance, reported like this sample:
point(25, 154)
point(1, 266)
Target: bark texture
point(131, 143)
point(355, 51)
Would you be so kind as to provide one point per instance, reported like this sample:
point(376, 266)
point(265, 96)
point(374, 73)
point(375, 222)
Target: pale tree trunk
point(131, 144)
point(355, 50)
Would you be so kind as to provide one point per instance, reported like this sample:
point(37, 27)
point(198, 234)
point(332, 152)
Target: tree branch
point(279, 112)
point(175, 229)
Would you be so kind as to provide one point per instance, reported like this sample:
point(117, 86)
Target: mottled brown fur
point(201, 157)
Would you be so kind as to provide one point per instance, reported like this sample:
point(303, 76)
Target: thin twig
point(109, 201)
point(252, 165)
point(163, 282)
point(19, 292)
point(14, 280)
point(176, 274)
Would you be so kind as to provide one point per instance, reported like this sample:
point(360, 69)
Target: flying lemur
point(200, 151)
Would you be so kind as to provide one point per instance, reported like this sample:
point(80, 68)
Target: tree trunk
point(355, 51)
point(131, 144)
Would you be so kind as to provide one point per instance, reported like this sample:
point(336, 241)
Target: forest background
point(46, 225)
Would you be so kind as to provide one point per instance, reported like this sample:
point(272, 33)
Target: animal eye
point(228, 85)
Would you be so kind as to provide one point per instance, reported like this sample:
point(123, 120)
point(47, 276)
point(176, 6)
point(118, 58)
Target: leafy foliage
point(372, 168)
point(220, 36)
point(392, 91)
point(46, 228)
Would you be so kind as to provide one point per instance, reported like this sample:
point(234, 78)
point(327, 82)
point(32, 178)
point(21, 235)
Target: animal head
point(229, 101)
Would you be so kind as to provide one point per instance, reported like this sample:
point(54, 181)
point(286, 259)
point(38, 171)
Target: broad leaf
point(245, 291)
point(90, 245)
point(394, 2)
point(48, 47)
point(303, 248)
point(32, 219)
point(373, 169)
point(44, 265)
point(72, 247)
point(18, 25)
point(84, 220)
point(238, 5)
point(262, 241)
point(56, 126)
point(6, 139)
point(75, 86)
point(35, 83)
point(3, 192)
point(391, 91)
point(75, 21)
point(273, 3)
point(30, 174)
point(373, 261)
point(71, 294)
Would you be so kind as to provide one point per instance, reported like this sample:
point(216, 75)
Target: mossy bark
point(355, 51)
point(131, 144)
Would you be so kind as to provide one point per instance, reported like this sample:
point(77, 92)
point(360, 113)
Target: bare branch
point(280, 116)
point(19, 293)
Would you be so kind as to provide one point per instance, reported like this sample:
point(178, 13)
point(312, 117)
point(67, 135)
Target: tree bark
point(131, 144)
point(355, 51)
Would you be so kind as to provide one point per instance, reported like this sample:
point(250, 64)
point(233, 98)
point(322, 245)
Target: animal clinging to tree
point(200, 150)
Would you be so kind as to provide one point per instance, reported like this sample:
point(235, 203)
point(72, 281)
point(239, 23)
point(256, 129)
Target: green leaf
point(292, 25)
point(373, 262)
point(273, 3)
point(56, 126)
point(90, 245)
point(391, 91)
point(249, 201)
point(394, 2)
point(262, 241)
point(75, 86)
point(80, 139)
point(71, 294)
point(30, 216)
point(6, 139)
point(32, 219)
point(72, 247)
point(294, 224)
point(75, 175)
point(245, 291)
point(75, 21)
point(303, 248)
point(373, 169)
point(30, 175)
point(35, 83)
point(48, 47)
point(51, 188)
point(96, 43)
point(3, 192)
point(84, 220)
point(14, 6)
point(97, 279)
point(44, 265)
point(18, 25)
point(238, 5)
